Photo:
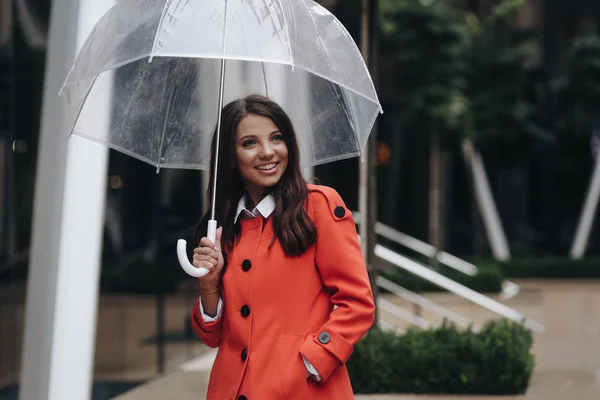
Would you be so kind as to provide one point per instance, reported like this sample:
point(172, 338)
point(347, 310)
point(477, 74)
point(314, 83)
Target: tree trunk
point(394, 177)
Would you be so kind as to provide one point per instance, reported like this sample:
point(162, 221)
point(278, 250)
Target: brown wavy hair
point(293, 227)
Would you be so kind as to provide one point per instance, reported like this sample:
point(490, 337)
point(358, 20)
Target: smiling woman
point(256, 132)
point(286, 256)
point(262, 155)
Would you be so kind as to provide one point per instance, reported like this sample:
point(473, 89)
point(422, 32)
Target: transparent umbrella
point(168, 66)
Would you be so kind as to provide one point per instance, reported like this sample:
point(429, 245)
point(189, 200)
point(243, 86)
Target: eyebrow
point(254, 136)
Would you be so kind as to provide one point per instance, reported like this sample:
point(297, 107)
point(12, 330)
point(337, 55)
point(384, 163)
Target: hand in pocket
point(293, 374)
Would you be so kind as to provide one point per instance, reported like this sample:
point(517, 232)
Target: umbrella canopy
point(159, 63)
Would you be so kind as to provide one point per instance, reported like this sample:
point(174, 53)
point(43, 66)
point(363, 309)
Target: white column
point(588, 214)
point(62, 292)
point(487, 205)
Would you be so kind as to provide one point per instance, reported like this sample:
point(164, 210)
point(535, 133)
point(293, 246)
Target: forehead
point(255, 125)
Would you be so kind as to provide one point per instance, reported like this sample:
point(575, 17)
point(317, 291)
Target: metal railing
point(424, 303)
point(401, 313)
point(440, 280)
point(387, 326)
point(509, 289)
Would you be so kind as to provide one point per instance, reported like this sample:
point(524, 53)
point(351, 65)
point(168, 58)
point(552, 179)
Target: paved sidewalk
point(567, 355)
point(127, 324)
point(544, 386)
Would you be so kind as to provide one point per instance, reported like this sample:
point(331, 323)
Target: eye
point(277, 138)
point(248, 143)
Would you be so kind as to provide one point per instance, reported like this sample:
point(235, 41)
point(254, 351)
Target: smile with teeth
point(266, 167)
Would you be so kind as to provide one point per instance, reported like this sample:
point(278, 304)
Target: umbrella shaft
point(218, 133)
point(218, 139)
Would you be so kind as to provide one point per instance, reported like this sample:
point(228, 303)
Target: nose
point(267, 152)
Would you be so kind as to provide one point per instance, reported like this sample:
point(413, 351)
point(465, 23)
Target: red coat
point(277, 308)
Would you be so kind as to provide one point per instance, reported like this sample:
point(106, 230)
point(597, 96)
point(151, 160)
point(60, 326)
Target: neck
point(255, 195)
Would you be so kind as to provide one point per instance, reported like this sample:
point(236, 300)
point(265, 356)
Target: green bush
point(488, 280)
point(550, 268)
point(577, 89)
point(497, 360)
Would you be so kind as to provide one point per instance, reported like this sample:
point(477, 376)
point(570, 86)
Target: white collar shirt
point(265, 208)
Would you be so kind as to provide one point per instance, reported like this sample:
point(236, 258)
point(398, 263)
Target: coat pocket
point(291, 370)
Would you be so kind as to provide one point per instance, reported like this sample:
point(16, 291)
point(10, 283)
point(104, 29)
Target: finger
point(218, 238)
point(212, 258)
point(209, 252)
point(205, 242)
point(197, 257)
point(209, 259)
point(204, 264)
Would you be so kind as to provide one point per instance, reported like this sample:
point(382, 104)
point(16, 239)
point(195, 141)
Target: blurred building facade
point(539, 200)
point(538, 215)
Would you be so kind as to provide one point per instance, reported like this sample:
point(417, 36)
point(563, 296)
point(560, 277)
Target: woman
point(288, 294)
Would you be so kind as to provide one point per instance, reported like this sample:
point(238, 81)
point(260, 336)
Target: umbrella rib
point(265, 79)
point(327, 51)
point(160, 22)
point(287, 28)
point(82, 105)
point(132, 99)
point(138, 156)
point(162, 138)
point(316, 29)
point(363, 95)
point(77, 58)
point(250, 59)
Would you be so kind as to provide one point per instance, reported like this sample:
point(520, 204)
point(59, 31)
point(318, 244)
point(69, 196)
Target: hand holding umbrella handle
point(182, 254)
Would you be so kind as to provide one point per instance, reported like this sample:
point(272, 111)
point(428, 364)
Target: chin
point(268, 182)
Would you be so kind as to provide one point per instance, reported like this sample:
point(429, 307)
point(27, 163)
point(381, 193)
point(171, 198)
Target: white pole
point(62, 291)
point(588, 214)
point(486, 203)
point(364, 164)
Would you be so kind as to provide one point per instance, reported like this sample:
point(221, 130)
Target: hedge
point(546, 267)
point(497, 360)
point(488, 280)
point(492, 273)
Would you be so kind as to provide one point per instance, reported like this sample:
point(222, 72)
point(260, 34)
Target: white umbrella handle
point(182, 254)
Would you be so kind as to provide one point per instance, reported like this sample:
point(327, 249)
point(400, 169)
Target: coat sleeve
point(340, 262)
point(210, 333)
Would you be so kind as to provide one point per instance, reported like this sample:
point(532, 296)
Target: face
point(262, 155)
